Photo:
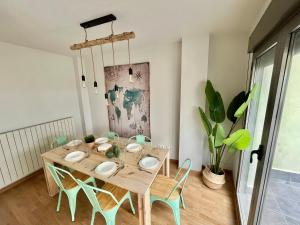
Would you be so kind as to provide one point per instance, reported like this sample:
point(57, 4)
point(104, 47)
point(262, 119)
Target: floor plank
point(29, 204)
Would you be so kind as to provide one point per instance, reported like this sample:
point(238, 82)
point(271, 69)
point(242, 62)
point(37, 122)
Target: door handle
point(259, 152)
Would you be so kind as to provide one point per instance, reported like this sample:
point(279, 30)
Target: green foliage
point(215, 103)
point(113, 152)
point(217, 139)
point(238, 140)
point(236, 102)
point(240, 111)
point(109, 154)
point(205, 121)
point(219, 134)
point(89, 139)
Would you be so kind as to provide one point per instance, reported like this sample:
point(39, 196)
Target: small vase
point(91, 145)
point(212, 180)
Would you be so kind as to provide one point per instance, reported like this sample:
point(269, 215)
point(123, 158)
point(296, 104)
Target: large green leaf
point(211, 143)
point(205, 121)
point(240, 111)
point(236, 102)
point(215, 103)
point(238, 140)
point(219, 134)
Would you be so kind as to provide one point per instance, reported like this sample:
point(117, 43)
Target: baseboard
point(12, 185)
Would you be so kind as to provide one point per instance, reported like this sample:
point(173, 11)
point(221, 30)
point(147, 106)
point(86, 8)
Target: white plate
point(101, 140)
point(106, 168)
point(75, 156)
point(74, 143)
point(104, 147)
point(133, 147)
point(149, 163)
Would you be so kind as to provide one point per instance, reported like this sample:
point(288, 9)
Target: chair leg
point(93, 217)
point(110, 218)
point(176, 211)
point(72, 204)
point(94, 182)
point(182, 201)
point(131, 205)
point(59, 201)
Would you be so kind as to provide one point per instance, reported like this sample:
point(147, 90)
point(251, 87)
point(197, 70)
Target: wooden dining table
point(131, 177)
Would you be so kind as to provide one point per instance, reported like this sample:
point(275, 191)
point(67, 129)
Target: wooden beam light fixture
point(105, 40)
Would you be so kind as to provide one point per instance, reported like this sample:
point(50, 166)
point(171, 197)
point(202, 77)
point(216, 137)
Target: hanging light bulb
point(106, 98)
point(82, 76)
point(116, 91)
point(130, 69)
point(96, 87)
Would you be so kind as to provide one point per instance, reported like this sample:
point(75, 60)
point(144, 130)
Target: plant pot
point(91, 145)
point(212, 180)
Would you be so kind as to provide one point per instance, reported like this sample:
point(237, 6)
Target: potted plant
point(90, 140)
point(218, 141)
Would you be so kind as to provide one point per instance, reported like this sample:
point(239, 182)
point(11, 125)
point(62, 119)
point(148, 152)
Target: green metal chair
point(170, 190)
point(59, 141)
point(111, 135)
point(106, 200)
point(140, 139)
point(67, 183)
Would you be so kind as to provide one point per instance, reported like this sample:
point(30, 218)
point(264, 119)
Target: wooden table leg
point(51, 185)
point(167, 165)
point(144, 208)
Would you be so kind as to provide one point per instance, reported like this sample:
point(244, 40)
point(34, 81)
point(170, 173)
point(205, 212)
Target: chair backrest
point(140, 139)
point(59, 141)
point(183, 177)
point(91, 192)
point(111, 135)
point(59, 174)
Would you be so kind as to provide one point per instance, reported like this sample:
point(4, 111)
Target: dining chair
point(140, 139)
point(111, 135)
point(106, 200)
point(59, 141)
point(170, 190)
point(67, 183)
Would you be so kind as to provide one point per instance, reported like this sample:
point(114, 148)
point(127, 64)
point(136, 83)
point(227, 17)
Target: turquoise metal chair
point(106, 200)
point(111, 135)
point(170, 190)
point(67, 183)
point(59, 141)
point(140, 139)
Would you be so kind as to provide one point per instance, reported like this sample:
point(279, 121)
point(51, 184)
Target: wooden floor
point(29, 204)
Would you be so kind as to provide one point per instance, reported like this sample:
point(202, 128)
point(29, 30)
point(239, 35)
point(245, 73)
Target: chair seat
point(69, 183)
point(106, 202)
point(162, 187)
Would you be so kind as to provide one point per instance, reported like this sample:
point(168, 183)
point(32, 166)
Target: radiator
point(21, 149)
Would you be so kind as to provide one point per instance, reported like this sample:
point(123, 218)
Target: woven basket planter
point(211, 180)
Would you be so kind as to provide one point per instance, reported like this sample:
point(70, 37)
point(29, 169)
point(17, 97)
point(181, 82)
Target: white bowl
point(106, 168)
point(149, 163)
point(104, 147)
point(74, 143)
point(75, 156)
point(101, 140)
point(133, 147)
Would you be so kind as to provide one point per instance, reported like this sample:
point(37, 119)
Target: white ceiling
point(53, 25)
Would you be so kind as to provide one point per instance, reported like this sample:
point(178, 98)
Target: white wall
point(194, 65)
point(227, 69)
point(36, 86)
point(164, 88)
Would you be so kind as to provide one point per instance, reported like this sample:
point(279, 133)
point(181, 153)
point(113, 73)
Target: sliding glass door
point(268, 189)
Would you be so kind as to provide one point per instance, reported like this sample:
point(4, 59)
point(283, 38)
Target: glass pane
point(282, 202)
point(255, 123)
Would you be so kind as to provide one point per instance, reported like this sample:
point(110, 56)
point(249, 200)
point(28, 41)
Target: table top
point(129, 178)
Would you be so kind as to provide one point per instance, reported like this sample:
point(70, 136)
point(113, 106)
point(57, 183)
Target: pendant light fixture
point(106, 98)
point(116, 88)
point(82, 75)
point(95, 82)
point(130, 69)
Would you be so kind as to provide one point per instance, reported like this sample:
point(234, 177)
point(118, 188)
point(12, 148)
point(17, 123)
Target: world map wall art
point(129, 102)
